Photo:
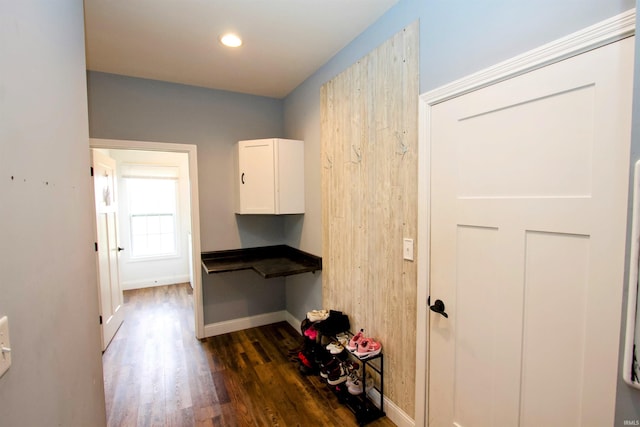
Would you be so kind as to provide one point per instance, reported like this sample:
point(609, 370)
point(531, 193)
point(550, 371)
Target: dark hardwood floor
point(157, 373)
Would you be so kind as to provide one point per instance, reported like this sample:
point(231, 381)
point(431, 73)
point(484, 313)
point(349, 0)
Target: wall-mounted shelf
point(268, 261)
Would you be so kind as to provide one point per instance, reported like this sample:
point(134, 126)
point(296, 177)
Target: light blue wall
point(48, 281)
point(147, 110)
point(460, 37)
point(457, 38)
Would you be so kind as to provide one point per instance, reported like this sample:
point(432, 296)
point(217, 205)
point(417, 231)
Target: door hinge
point(101, 320)
point(91, 170)
point(96, 245)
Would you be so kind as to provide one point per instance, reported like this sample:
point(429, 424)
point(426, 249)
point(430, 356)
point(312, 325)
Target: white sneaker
point(317, 315)
point(343, 339)
point(355, 386)
point(335, 347)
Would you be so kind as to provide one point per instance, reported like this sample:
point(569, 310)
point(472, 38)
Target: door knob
point(438, 307)
point(120, 249)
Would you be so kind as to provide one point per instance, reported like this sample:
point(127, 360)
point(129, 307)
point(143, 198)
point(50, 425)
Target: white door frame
point(191, 151)
point(605, 32)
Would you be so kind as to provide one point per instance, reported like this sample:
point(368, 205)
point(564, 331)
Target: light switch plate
point(5, 346)
point(407, 249)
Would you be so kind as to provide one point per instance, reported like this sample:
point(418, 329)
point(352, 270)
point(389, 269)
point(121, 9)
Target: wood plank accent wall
point(369, 144)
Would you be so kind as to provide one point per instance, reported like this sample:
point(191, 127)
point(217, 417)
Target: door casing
point(191, 151)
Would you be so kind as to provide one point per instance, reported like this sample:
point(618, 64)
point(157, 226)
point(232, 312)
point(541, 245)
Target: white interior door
point(111, 301)
point(529, 181)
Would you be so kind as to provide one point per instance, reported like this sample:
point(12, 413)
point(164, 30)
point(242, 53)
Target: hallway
point(158, 374)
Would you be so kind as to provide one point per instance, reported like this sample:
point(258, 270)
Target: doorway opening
point(135, 153)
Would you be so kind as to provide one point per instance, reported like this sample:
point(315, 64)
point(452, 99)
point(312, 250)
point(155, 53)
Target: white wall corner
point(294, 322)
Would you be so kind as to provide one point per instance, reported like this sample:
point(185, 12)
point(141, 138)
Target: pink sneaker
point(355, 340)
point(311, 333)
point(368, 348)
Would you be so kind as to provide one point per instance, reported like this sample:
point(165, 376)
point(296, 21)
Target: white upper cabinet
point(270, 176)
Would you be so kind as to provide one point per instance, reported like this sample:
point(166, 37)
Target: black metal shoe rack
point(364, 409)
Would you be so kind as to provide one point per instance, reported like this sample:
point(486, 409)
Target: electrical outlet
point(5, 346)
point(407, 249)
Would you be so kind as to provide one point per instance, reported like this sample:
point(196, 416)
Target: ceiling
point(284, 41)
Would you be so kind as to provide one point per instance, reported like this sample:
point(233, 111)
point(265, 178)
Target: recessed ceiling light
point(230, 40)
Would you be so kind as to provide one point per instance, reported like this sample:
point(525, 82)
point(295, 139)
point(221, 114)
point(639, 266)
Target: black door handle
point(438, 307)
point(242, 178)
point(120, 249)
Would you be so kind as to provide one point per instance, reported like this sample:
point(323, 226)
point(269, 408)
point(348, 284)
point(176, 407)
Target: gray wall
point(239, 294)
point(48, 286)
point(147, 110)
point(457, 38)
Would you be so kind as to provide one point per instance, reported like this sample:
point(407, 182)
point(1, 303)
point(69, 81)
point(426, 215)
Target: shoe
point(305, 361)
point(353, 342)
point(317, 315)
point(311, 333)
point(356, 388)
point(337, 376)
point(304, 325)
point(335, 347)
point(367, 348)
point(334, 324)
point(328, 367)
point(343, 339)
point(353, 377)
point(321, 356)
point(305, 370)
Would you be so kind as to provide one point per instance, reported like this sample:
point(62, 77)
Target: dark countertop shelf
point(268, 261)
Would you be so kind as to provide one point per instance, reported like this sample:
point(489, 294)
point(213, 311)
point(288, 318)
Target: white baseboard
point(154, 281)
point(295, 323)
point(393, 411)
point(219, 328)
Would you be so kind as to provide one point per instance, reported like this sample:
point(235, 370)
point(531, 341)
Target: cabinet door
point(256, 176)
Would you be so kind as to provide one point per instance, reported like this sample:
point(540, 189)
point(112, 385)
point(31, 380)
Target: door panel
point(528, 208)
point(533, 147)
point(111, 300)
point(556, 287)
point(482, 330)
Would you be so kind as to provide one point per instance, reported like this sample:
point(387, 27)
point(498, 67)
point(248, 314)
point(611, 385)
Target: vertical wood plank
point(369, 143)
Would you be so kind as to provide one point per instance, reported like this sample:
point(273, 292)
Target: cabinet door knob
point(242, 178)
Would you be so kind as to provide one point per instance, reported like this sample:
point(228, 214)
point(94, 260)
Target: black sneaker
point(337, 375)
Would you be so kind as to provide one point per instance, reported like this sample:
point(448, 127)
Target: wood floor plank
point(157, 374)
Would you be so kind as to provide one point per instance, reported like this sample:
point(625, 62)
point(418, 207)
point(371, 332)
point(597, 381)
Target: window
point(152, 211)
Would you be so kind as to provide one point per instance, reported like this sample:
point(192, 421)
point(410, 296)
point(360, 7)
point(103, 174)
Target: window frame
point(145, 172)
